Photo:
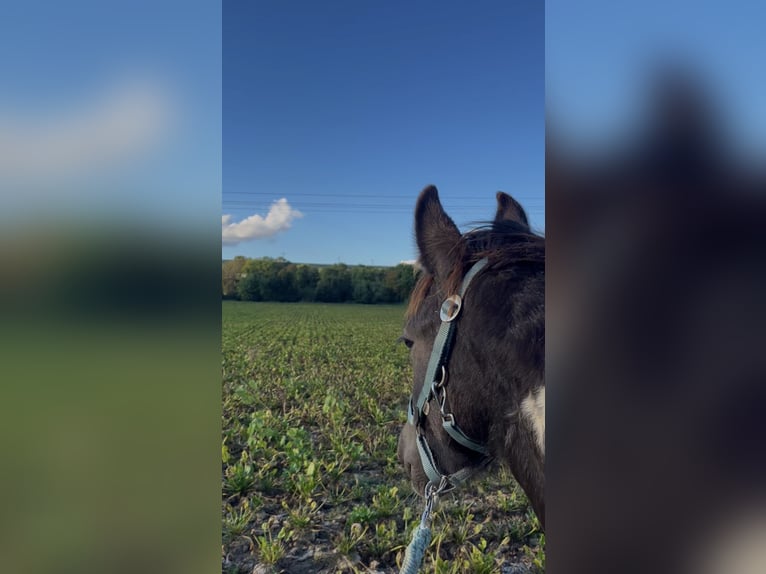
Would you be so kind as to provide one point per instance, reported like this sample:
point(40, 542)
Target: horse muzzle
point(408, 455)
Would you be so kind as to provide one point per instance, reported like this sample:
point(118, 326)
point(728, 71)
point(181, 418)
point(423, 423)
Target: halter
point(435, 389)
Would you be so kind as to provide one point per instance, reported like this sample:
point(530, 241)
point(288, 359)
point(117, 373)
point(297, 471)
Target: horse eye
point(406, 341)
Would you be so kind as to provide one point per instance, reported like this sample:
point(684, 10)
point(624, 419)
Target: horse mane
point(504, 243)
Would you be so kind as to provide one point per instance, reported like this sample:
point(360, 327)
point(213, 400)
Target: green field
point(314, 397)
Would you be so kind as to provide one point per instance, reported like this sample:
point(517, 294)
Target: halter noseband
point(434, 388)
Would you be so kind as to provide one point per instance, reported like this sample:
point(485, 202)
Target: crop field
point(314, 398)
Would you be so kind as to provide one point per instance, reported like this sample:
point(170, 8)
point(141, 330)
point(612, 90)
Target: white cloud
point(408, 262)
point(279, 218)
point(118, 124)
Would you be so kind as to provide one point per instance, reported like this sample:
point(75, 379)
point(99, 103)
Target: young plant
point(537, 555)
point(236, 519)
point(385, 538)
point(239, 478)
point(302, 515)
point(271, 549)
point(479, 560)
point(347, 542)
point(386, 502)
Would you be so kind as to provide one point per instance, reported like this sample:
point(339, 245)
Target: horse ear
point(436, 234)
point(508, 209)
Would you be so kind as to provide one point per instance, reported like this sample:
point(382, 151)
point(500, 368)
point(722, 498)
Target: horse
point(475, 327)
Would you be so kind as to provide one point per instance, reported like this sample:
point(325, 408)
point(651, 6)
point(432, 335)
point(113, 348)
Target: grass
point(313, 401)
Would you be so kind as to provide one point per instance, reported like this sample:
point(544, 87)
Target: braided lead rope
point(421, 536)
point(413, 556)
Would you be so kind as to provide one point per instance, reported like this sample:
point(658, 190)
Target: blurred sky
point(111, 109)
point(348, 109)
point(600, 56)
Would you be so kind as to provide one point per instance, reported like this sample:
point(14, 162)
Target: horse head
point(476, 332)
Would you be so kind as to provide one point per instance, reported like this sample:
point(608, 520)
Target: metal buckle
point(432, 491)
point(450, 308)
point(431, 496)
point(441, 382)
point(442, 402)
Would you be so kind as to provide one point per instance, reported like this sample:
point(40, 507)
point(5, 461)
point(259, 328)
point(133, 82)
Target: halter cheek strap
point(434, 389)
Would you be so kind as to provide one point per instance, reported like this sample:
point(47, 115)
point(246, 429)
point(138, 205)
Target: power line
point(410, 196)
point(408, 205)
point(365, 206)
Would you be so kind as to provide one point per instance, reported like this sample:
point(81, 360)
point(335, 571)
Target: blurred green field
point(109, 434)
point(313, 400)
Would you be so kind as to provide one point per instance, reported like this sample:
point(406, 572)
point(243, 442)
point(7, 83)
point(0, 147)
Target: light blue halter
point(435, 389)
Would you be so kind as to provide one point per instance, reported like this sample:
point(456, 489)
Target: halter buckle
point(442, 404)
point(450, 308)
point(442, 380)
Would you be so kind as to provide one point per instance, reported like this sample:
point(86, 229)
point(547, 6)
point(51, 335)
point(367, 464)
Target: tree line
point(268, 279)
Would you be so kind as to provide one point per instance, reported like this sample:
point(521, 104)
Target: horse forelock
point(503, 243)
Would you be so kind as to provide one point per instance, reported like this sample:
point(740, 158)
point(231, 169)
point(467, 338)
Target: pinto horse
point(476, 332)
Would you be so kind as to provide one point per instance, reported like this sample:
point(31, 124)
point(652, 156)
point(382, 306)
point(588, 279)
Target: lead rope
point(421, 536)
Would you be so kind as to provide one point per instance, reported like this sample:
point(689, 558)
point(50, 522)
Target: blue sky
point(348, 109)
